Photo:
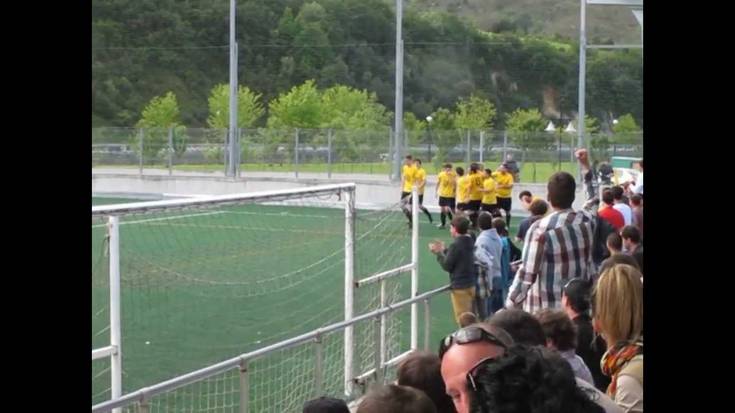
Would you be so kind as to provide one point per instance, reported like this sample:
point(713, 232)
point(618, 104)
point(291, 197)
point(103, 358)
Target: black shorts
point(504, 203)
point(421, 199)
point(474, 205)
point(404, 195)
point(462, 206)
point(493, 209)
point(447, 202)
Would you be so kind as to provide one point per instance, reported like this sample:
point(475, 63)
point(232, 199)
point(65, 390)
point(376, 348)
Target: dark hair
point(632, 233)
point(485, 220)
point(608, 197)
point(558, 328)
point(422, 370)
point(617, 192)
point(417, 160)
point(561, 189)
point(614, 241)
point(499, 225)
point(538, 207)
point(636, 199)
point(522, 326)
point(447, 165)
point(529, 380)
point(409, 157)
point(461, 224)
point(326, 405)
point(618, 259)
point(524, 193)
point(474, 167)
point(578, 292)
point(460, 171)
point(489, 171)
point(393, 398)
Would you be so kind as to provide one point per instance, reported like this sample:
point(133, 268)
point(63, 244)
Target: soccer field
point(201, 286)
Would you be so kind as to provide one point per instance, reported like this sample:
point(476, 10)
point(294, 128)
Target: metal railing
point(294, 152)
point(143, 396)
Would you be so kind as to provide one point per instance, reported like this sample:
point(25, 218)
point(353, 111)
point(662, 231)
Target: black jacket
point(591, 348)
point(459, 261)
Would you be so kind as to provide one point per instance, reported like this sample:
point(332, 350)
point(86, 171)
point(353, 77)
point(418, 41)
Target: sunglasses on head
point(468, 335)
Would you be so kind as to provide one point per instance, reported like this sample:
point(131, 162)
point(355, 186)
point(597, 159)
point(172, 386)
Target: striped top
point(557, 248)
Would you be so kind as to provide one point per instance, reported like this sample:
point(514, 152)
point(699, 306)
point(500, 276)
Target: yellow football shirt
point(447, 184)
point(419, 176)
point(408, 175)
point(463, 193)
point(504, 178)
point(477, 180)
point(490, 197)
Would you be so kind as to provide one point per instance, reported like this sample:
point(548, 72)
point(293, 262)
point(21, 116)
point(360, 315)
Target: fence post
point(143, 407)
point(382, 321)
point(296, 154)
point(239, 153)
point(427, 324)
point(170, 150)
point(349, 289)
point(115, 334)
point(392, 153)
point(505, 144)
point(226, 151)
point(318, 365)
point(329, 153)
point(140, 152)
point(244, 386)
point(415, 267)
point(469, 147)
point(482, 144)
point(378, 351)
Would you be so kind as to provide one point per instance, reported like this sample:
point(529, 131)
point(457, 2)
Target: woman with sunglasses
point(527, 380)
point(618, 316)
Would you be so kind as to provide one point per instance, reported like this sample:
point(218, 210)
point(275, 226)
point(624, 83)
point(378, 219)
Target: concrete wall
point(371, 190)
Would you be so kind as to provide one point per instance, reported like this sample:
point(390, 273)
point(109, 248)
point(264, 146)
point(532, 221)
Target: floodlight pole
point(233, 144)
point(398, 131)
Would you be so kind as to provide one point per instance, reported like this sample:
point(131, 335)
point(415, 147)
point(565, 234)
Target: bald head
point(460, 358)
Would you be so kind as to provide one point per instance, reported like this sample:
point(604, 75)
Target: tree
point(300, 107)
point(249, 108)
point(347, 108)
point(475, 113)
point(160, 115)
point(526, 127)
point(445, 133)
point(626, 130)
point(358, 114)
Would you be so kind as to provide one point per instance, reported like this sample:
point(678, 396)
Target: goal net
point(205, 280)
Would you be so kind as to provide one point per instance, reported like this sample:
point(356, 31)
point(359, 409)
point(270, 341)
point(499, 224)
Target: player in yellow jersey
point(446, 189)
point(463, 189)
point(504, 179)
point(408, 173)
point(477, 177)
point(407, 176)
point(419, 178)
point(489, 194)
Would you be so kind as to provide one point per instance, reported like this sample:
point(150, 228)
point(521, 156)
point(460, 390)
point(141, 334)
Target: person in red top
point(610, 214)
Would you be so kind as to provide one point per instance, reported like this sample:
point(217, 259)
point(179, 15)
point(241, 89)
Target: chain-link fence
point(332, 151)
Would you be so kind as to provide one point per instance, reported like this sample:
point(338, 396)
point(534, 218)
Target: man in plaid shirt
point(557, 248)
